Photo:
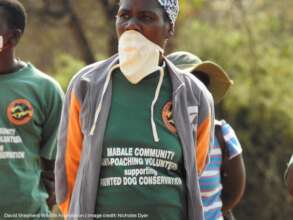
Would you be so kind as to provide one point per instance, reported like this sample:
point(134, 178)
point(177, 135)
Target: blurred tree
point(65, 66)
point(254, 44)
point(110, 8)
point(56, 11)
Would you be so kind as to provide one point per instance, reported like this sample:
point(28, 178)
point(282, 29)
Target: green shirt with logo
point(141, 179)
point(30, 110)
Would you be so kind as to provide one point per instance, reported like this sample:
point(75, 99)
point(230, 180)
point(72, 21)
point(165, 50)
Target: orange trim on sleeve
point(73, 150)
point(203, 141)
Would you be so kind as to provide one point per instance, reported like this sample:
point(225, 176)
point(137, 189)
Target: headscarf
point(171, 7)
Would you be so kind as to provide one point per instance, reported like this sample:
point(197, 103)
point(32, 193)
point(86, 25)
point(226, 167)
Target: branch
point(78, 33)
point(110, 8)
point(250, 37)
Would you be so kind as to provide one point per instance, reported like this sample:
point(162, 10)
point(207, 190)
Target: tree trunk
point(110, 8)
point(75, 26)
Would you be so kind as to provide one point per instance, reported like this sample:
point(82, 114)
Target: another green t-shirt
point(139, 177)
point(30, 110)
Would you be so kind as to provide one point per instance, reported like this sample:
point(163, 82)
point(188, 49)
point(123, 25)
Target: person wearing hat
point(222, 182)
point(135, 131)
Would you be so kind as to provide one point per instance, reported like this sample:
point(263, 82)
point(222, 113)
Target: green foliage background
point(251, 39)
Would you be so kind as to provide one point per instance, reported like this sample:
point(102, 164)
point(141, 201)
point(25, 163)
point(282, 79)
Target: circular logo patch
point(167, 115)
point(20, 112)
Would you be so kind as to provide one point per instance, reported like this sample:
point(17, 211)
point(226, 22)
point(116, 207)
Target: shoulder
point(93, 73)
point(197, 90)
point(230, 137)
point(225, 126)
point(193, 85)
point(196, 83)
point(44, 81)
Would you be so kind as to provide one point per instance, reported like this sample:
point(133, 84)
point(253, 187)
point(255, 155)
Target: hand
point(51, 201)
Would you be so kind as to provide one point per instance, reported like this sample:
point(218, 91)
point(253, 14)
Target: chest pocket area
point(193, 115)
point(89, 106)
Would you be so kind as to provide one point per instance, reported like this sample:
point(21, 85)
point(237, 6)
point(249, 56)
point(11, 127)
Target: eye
point(123, 15)
point(147, 17)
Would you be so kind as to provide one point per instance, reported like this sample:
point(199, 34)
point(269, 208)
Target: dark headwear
point(171, 7)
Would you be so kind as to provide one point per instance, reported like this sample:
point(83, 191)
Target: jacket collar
point(176, 76)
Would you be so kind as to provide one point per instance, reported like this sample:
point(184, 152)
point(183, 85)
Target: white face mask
point(1, 43)
point(138, 56)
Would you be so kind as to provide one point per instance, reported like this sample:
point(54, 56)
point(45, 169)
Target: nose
point(133, 24)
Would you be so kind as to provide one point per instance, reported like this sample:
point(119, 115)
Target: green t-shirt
point(30, 109)
point(139, 177)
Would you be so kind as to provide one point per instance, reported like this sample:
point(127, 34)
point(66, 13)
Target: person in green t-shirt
point(30, 110)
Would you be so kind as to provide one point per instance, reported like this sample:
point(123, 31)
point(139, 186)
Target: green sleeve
point(52, 118)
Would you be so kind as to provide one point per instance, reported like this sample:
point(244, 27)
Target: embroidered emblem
point(20, 112)
point(167, 115)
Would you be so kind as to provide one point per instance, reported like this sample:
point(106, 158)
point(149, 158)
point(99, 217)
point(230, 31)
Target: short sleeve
point(232, 143)
point(54, 100)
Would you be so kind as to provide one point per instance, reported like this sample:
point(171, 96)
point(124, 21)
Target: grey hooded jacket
point(79, 154)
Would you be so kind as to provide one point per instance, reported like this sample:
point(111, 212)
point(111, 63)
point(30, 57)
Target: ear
point(170, 30)
point(15, 37)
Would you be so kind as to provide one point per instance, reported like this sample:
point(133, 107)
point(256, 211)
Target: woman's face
point(146, 17)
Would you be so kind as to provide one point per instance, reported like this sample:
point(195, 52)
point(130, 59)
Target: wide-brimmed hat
point(219, 79)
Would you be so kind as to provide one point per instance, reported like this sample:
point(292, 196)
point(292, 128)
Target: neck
point(8, 62)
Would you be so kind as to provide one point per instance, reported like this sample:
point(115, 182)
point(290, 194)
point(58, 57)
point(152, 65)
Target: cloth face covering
point(138, 56)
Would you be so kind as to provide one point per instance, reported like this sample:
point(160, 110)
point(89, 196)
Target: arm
point(233, 181)
point(205, 130)
point(49, 138)
point(69, 149)
point(233, 169)
point(47, 177)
